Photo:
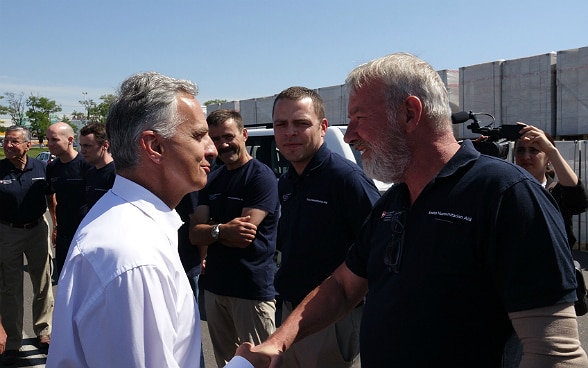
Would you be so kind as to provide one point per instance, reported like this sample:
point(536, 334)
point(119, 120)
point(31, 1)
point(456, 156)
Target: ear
point(324, 126)
point(151, 145)
point(245, 134)
point(414, 111)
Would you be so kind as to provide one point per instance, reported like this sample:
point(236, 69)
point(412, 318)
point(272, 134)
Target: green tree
point(101, 110)
point(95, 112)
point(3, 109)
point(215, 101)
point(38, 113)
point(66, 119)
point(16, 107)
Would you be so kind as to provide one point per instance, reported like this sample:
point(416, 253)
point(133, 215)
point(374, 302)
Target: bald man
point(66, 190)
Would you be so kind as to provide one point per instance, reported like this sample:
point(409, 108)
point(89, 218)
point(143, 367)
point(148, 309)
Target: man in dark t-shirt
point(236, 222)
point(96, 151)
point(66, 190)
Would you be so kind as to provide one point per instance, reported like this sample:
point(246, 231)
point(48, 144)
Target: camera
point(495, 140)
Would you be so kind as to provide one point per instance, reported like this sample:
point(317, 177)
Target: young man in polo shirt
point(325, 199)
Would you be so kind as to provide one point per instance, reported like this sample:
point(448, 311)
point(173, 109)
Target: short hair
point(145, 101)
point(26, 133)
point(298, 93)
point(405, 75)
point(98, 129)
point(218, 117)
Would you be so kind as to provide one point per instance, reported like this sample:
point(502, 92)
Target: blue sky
point(236, 50)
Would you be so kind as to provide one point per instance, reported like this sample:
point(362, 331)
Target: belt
point(28, 225)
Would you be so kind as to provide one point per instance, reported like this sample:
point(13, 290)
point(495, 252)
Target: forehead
point(295, 109)
point(15, 134)
point(227, 125)
point(191, 112)
point(54, 132)
point(523, 144)
point(88, 138)
point(370, 94)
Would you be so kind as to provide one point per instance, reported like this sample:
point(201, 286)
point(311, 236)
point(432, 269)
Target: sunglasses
point(393, 252)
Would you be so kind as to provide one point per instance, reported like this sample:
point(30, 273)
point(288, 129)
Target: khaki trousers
point(233, 321)
point(34, 244)
point(336, 346)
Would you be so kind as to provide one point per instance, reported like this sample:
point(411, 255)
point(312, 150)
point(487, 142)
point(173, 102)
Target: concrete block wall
point(572, 92)
point(528, 91)
point(480, 91)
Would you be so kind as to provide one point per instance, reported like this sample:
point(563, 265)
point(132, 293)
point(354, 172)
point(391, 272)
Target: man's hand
point(54, 236)
point(259, 356)
point(2, 339)
point(238, 232)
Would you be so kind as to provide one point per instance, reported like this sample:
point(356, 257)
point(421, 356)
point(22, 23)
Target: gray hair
point(19, 128)
point(145, 101)
point(406, 75)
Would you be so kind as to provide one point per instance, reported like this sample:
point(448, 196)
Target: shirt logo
point(450, 216)
point(320, 201)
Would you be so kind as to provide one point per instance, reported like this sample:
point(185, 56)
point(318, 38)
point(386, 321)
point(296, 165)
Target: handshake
point(260, 356)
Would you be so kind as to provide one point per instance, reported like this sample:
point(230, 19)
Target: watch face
point(214, 232)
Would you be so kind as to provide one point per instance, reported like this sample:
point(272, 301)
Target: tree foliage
point(215, 101)
point(38, 113)
point(16, 107)
point(95, 112)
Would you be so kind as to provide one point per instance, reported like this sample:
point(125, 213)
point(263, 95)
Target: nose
point(210, 151)
point(350, 134)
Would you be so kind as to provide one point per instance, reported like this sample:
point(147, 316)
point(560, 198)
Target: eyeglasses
point(13, 143)
point(393, 252)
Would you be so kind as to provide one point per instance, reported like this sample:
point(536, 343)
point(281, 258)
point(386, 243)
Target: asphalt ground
point(32, 357)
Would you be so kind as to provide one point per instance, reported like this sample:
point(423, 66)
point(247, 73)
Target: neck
point(242, 161)
point(427, 163)
point(104, 162)
point(19, 162)
point(68, 155)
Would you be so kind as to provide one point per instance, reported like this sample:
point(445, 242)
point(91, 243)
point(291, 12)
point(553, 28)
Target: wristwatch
point(215, 231)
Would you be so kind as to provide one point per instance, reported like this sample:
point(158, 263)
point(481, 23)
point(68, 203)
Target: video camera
point(495, 140)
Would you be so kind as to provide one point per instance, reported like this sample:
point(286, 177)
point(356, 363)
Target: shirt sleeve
point(528, 252)
point(571, 200)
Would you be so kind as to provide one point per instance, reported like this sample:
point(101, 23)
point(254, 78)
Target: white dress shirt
point(123, 299)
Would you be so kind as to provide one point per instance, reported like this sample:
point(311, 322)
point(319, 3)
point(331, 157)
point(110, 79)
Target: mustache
point(226, 150)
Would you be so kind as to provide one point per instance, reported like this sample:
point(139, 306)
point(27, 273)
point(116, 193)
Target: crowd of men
point(162, 199)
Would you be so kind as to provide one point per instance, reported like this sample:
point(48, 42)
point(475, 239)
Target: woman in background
point(535, 151)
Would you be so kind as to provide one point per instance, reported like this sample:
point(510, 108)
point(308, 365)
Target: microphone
point(462, 117)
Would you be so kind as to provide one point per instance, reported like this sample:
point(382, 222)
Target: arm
point(239, 232)
point(51, 205)
point(565, 175)
point(549, 336)
point(2, 338)
point(326, 304)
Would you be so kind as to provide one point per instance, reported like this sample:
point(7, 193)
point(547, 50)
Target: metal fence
point(575, 154)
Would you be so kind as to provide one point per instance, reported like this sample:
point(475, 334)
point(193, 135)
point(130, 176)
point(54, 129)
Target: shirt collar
point(315, 162)
point(464, 155)
point(147, 202)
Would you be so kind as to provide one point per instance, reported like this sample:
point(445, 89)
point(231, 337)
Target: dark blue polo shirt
point(22, 193)
point(68, 183)
point(481, 240)
point(246, 273)
point(98, 182)
point(321, 214)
